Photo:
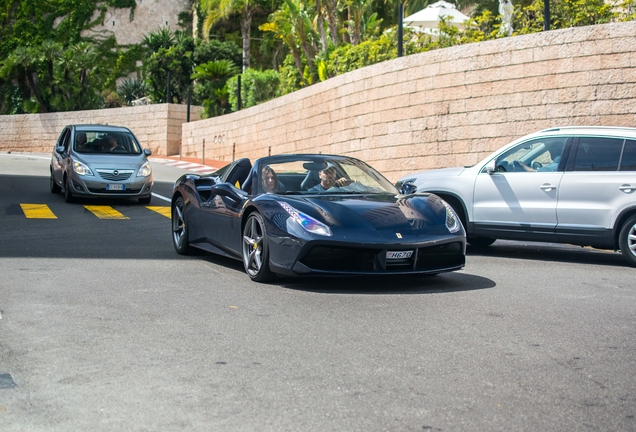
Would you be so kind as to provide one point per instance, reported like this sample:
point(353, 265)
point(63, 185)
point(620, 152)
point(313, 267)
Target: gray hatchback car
point(100, 161)
point(572, 185)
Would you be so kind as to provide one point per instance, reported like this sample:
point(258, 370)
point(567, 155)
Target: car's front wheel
point(145, 200)
point(627, 240)
point(68, 195)
point(255, 249)
point(55, 188)
point(180, 228)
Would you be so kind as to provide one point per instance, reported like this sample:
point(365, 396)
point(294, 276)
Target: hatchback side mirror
point(147, 151)
point(59, 150)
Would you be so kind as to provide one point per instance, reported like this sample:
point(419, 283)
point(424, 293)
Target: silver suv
point(100, 161)
point(572, 185)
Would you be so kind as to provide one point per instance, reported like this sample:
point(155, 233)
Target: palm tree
point(216, 10)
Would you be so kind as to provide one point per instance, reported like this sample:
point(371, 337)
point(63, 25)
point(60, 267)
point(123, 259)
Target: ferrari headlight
point(145, 170)
point(307, 222)
point(81, 169)
point(452, 221)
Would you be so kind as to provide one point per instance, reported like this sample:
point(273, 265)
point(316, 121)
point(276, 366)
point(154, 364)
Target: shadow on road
point(551, 252)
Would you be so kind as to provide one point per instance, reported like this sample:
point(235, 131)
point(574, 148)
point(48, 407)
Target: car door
point(599, 182)
point(61, 155)
point(517, 201)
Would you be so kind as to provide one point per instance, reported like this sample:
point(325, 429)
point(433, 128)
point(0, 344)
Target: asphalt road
point(103, 327)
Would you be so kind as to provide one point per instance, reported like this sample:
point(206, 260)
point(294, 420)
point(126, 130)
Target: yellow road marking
point(162, 210)
point(104, 212)
point(37, 211)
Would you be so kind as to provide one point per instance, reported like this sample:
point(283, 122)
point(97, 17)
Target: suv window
point(629, 156)
point(598, 154)
point(543, 154)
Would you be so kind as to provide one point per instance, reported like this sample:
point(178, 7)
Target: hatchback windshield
point(106, 142)
point(342, 175)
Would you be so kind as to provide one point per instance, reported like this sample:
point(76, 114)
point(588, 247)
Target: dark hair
point(267, 170)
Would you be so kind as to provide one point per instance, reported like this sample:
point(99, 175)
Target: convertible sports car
point(314, 215)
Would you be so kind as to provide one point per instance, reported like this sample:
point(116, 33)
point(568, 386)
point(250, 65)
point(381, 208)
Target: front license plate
point(114, 187)
point(398, 254)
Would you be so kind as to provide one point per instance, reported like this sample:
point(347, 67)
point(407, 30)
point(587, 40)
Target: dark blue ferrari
point(314, 215)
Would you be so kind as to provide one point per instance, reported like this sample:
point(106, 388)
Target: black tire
point(256, 250)
point(627, 240)
point(180, 238)
point(68, 195)
point(480, 241)
point(55, 188)
point(145, 200)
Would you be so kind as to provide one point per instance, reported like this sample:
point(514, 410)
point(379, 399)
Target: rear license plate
point(113, 187)
point(398, 254)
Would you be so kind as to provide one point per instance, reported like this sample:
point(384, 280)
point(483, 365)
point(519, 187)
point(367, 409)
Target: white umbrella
point(429, 17)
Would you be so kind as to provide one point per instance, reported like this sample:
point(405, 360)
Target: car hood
point(412, 214)
point(442, 172)
point(108, 161)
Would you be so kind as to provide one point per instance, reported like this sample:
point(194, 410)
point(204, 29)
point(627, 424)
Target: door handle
point(547, 187)
point(626, 188)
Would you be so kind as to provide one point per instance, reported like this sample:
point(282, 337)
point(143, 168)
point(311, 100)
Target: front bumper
point(94, 186)
point(342, 258)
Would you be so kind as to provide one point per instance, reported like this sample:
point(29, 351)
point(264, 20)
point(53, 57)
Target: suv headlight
point(145, 170)
point(81, 169)
point(307, 222)
point(452, 220)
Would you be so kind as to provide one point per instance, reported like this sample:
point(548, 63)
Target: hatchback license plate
point(113, 187)
point(398, 254)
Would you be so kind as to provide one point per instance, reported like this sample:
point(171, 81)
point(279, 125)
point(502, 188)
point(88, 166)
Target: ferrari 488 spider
point(314, 215)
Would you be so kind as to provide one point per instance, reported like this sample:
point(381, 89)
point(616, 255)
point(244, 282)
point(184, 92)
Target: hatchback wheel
point(627, 241)
point(145, 200)
point(256, 250)
point(68, 195)
point(55, 188)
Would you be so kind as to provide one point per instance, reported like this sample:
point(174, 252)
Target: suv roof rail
point(589, 127)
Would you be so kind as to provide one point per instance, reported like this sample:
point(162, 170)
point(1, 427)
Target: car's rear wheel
point(478, 241)
point(255, 249)
point(180, 228)
point(627, 240)
point(68, 195)
point(55, 188)
point(145, 200)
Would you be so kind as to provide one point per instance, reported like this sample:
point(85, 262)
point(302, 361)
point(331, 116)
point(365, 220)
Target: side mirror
point(59, 150)
point(147, 151)
point(406, 187)
point(222, 189)
point(491, 166)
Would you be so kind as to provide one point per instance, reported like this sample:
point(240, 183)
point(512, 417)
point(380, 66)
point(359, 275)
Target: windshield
point(106, 142)
point(322, 176)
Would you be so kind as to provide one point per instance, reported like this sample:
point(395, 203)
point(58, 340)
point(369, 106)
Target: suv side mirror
point(147, 151)
point(491, 166)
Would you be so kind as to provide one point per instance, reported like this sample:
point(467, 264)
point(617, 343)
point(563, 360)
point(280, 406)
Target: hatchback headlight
point(307, 222)
point(145, 170)
point(81, 169)
point(452, 220)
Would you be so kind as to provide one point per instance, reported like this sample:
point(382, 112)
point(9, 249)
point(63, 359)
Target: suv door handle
point(547, 187)
point(627, 188)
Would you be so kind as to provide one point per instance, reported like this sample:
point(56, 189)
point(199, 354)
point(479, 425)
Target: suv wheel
point(627, 240)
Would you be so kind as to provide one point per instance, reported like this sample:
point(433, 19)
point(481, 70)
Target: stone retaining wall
point(441, 108)
point(158, 127)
